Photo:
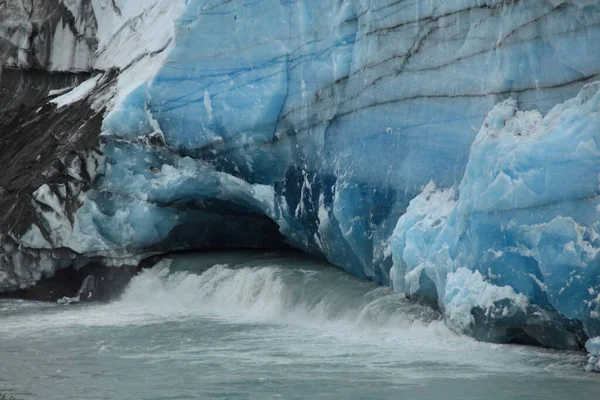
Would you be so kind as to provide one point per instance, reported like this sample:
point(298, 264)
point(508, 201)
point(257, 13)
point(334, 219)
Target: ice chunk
point(466, 290)
point(593, 346)
point(414, 236)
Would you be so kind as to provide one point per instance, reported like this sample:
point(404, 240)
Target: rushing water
point(263, 326)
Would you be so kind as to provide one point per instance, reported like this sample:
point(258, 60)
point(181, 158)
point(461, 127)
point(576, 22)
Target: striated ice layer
point(348, 108)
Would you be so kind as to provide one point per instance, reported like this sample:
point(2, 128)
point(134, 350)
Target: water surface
point(264, 326)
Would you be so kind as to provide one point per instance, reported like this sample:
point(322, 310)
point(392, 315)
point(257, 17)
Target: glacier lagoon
point(447, 150)
point(254, 325)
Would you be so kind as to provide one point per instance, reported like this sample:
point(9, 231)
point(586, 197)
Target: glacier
point(448, 149)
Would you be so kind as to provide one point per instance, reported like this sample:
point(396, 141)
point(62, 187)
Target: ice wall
point(350, 107)
point(352, 125)
point(524, 219)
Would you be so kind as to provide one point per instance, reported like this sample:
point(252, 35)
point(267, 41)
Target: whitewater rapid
point(255, 325)
point(309, 294)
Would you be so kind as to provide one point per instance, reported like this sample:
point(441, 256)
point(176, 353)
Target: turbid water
point(264, 326)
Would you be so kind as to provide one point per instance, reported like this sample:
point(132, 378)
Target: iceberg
point(445, 148)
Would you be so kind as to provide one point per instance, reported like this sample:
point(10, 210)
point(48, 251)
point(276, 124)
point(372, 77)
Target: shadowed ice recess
point(252, 325)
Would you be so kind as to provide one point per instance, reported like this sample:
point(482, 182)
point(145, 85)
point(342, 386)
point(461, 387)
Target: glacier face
point(366, 101)
point(525, 217)
point(377, 134)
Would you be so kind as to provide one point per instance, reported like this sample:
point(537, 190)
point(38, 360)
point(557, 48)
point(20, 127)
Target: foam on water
point(258, 325)
point(308, 295)
point(276, 293)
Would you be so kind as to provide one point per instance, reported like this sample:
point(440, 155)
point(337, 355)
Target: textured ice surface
point(593, 348)
point(363, 130)
point(83, 35)
point(348, 108)
point(525, 218)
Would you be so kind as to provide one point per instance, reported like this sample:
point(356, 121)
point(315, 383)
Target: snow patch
point(77, 94)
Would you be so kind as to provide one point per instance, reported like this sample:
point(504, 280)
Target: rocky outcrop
point(47, 35)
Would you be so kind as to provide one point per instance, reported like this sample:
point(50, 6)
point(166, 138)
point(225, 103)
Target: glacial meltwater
point(245, 325)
